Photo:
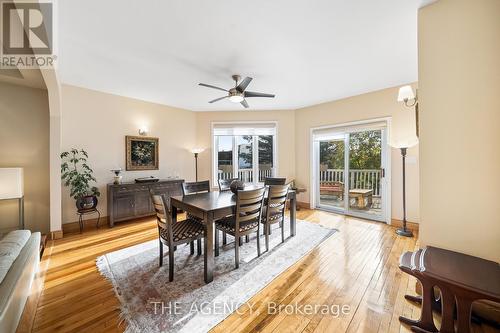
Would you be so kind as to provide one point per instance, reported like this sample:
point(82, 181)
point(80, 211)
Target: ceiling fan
point(238, 93)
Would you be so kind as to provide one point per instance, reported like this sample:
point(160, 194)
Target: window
point(246, 151)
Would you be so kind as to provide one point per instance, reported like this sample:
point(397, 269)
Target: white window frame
point(255, 151)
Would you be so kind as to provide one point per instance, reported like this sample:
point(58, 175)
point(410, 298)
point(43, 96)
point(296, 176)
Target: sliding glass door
point(331, 173)
point(350, 171)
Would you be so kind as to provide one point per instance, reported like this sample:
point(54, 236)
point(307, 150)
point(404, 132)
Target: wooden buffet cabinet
point(127, 201)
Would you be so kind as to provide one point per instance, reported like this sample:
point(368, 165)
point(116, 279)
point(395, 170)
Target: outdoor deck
point(374, 209)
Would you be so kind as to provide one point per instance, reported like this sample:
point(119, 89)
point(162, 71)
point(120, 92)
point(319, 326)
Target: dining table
point(211, 206)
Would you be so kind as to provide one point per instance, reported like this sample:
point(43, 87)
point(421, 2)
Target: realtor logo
point(27, 34)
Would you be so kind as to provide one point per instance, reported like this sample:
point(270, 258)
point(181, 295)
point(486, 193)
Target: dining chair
point(195, 187)
point(174, 234)
point(274, 181)
point(245, 221)
point(225, 184)
point(274, 210)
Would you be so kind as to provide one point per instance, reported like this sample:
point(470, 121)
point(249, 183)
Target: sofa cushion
point(10, 247)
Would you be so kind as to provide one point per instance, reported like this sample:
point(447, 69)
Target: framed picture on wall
point(141, 153)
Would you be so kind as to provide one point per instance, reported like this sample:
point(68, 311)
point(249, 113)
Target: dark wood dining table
point(212, 206)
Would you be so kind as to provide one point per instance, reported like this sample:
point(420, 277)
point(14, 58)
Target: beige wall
point(24, 142)
point(373, 105)
point(98, 122)
point(459, 79)
point(286, 137)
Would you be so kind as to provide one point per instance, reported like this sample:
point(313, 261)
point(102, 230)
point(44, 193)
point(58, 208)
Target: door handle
point(383, 172)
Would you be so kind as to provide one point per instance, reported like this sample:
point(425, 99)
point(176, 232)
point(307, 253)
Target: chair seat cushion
point(228, 224)
point(187, 229)
point(276, 217)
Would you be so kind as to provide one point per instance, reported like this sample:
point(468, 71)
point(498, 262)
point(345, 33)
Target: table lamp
point(12, 187)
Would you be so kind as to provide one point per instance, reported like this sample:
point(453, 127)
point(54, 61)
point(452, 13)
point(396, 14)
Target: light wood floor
point(357, 267)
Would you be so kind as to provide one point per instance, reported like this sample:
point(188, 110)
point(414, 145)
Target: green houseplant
point(76, 174)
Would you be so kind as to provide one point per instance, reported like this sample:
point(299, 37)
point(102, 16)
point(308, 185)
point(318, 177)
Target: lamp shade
point(403, 135)
point(11, 183)
point(405, 93)
point(404, 142)
point(197, 150)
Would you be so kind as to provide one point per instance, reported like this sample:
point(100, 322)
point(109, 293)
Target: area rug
point(149, 303)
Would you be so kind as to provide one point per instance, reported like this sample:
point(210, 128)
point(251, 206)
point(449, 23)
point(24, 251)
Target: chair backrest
point(276, 202)
point(224, 184)
point(249, 206)
point(162, 209)
point(274, 181)
point(195, 187)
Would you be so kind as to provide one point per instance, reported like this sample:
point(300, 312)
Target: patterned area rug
point(149, 303)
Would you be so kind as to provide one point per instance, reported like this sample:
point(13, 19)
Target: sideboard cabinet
point(128, 201)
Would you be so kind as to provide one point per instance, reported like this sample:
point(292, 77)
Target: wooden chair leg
point(268, 231)
point(237, 253)
point(198, 241)
point(247, 239)
point(282, 232)
point(161, 253)
point(191, 247)
point(258, 244)
point(224, 238)
point(170, 264)
point(216, 242)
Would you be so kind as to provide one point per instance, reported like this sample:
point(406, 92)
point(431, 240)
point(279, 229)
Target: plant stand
point(82, 212)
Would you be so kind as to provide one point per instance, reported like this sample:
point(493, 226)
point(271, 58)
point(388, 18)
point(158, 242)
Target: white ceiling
point(306, 52)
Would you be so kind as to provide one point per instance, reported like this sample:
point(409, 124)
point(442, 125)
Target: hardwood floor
point(356, 267)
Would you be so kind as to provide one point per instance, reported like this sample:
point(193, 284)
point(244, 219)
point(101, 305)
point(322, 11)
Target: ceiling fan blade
point(244, 84)
point(210, 86)
point(218, 99)
point(257, 94)
point(245, 104)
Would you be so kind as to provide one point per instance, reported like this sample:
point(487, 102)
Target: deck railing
point(362, 179)
point(246, 175)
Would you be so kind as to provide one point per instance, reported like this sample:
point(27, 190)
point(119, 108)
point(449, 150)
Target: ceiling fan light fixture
point(236, 98)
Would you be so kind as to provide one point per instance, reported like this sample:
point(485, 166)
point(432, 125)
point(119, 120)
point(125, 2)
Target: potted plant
point(76, 174)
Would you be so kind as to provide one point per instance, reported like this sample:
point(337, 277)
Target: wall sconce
point(143, 131)
point(410, 100)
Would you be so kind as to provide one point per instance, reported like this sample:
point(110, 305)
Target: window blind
point(337, 133)
point(244, 129)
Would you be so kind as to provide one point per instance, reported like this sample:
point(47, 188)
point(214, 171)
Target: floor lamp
point(12, 181)
point(196, 151)
point(404, 231)
point(403, 138)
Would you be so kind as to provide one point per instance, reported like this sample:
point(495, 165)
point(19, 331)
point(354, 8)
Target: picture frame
point(141, 153)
